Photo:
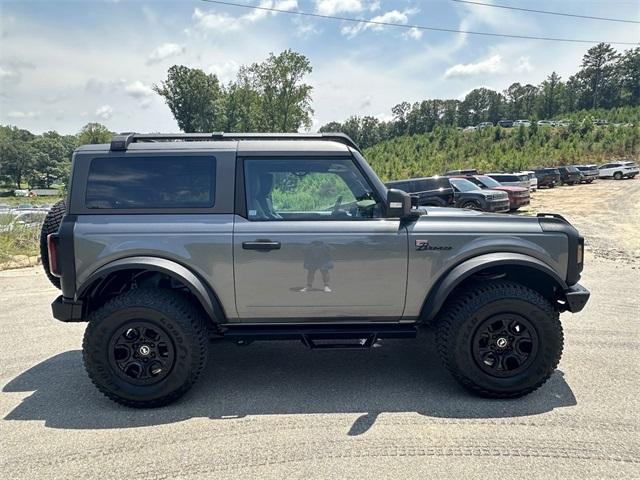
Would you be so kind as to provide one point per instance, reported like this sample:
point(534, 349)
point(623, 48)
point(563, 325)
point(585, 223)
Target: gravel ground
point(275, 410)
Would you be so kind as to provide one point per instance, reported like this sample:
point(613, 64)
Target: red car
point(518, 196)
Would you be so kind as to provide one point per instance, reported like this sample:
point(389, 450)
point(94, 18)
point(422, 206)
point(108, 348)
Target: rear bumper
point(66, 310)
point(576, 297)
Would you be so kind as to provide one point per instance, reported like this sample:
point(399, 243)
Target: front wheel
point(145, 348)
point(471, 206)
point(500, 339)
point(617, 176)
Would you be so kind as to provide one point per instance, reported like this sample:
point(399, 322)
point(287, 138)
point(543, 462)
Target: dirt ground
point(276, 410)
point(607, 213)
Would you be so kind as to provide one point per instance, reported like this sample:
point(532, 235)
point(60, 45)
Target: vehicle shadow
point(271, 378)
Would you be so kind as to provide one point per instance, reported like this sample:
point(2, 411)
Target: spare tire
point(51, 224)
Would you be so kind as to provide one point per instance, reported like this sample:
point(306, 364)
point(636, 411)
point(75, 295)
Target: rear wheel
point(145, 348)
point(617, 176)
point(51, 225)
point(500, 339)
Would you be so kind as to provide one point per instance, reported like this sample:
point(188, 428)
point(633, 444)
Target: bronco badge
point(424, 245)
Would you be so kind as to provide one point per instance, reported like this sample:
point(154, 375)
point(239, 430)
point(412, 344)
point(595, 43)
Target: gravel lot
point(275, 409)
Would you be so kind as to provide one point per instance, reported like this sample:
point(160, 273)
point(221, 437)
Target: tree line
point(606, 80)
point(42, 160)
point(272, 96)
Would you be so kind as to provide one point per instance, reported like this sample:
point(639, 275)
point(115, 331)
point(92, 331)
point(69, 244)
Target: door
point(314, 245)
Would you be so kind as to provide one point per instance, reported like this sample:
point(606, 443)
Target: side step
point(321, 336)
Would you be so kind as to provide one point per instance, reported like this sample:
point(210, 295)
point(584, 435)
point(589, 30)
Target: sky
point(66, 63)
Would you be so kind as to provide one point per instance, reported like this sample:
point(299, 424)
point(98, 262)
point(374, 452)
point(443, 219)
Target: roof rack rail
point(121, 142)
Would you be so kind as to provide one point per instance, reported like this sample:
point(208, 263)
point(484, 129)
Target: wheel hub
point(141, 353)
point(505, 345)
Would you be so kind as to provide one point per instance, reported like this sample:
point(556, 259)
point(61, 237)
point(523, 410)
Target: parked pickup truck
point(547, 177)
point(427, 191)
point(518, 196)
point(169, 240)
point(471, 196)
point(589, 173)
point(512, 179)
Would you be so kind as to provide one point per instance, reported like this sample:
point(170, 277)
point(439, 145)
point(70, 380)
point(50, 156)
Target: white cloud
point(105, 112)
point(223, 22)
point(331, 7)
point(392, 16)
point(164, 51)
point(413, 33)
point(225, 71)
point(138, 90)
point(523, 65)
point(492, 64)
point(8, 74)
point(18, 115)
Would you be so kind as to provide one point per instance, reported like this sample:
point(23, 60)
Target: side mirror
point(398, 204)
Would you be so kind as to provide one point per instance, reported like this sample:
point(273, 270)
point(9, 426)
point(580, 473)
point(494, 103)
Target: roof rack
point(121, 142)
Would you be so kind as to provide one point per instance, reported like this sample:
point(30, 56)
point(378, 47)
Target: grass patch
point(17, 240)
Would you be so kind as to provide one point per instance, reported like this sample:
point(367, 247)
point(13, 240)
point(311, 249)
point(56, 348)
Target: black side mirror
point(398, 204)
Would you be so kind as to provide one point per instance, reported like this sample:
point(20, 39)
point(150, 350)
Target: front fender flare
point(207, 298)
point(450, 280)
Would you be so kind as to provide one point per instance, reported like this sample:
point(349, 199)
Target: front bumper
point(518, 202)
point(66, 310)
point(499, 206)
point(576, 298)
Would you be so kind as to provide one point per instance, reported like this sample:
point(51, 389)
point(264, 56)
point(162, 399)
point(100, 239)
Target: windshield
point(488, 181)
point(463, 185)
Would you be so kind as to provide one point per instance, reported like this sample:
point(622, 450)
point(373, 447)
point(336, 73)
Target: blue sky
point(66, 63)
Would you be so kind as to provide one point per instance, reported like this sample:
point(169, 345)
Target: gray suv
point(168, 241)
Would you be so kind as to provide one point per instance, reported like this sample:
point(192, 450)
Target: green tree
point(195, 99)
point(285, 101)
point(93, 133)
point(550, 94)
point(628, 73)
point(598, 77)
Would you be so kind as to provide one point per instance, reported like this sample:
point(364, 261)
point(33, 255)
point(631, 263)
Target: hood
point(513, 189)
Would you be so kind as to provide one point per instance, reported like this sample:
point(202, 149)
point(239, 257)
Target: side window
point(308, 189)
point(151, 182)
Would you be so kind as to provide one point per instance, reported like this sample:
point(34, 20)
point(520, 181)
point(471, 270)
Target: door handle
point(263, 245)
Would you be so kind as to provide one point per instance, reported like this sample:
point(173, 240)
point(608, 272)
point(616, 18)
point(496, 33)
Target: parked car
point(469, 128)
point(618, 170)
point(565, 122)
point(29, 219)
point(546, 123)
point(428, 191)
point(468, 171)
point(589, 172)
point(469, 195)
point(5, 208)
point(485, 125)
point(518, 196)
point(512, 179)
point(569, 175)
point(547, 177)
point(524, 123)
point(533, 180)
point(505, 123)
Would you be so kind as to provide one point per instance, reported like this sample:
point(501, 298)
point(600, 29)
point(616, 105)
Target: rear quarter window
point(151, 182)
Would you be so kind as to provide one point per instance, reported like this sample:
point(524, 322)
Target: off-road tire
point(51, 224)
point(472, 205)
point(617, 176)
point(464, 314)
point(171, 311)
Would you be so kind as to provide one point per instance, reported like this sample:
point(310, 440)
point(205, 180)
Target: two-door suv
point(166, 241)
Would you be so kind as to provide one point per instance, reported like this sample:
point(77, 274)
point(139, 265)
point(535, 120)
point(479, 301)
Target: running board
point(321, 336)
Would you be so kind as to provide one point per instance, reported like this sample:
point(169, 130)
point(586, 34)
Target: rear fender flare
point(207, 298)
